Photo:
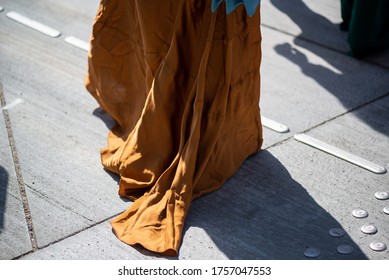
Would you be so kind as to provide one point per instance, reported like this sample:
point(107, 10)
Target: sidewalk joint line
point(348, 111)
point(330, 119)
point(55, 202)
point(70, 235)
point(18, 172)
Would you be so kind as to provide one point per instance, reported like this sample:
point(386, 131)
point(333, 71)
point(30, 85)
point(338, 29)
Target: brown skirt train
point(183, 85)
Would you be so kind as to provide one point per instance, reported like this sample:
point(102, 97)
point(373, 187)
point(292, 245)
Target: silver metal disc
point(378, 246)
point(369, 229)
point(345, 249)
point(360, 213)
point(312, 252)
point(382, 195)
point(386, 210)
point(336, 232)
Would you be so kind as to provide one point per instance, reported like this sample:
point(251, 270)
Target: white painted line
point(77, 43)
point(340, 153)
point(1, 9)
point(12, 104)
point(34, 24)
point(274, 125)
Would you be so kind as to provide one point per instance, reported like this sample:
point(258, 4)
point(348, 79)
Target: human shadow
point(104, 116)
point(263, 213)
point(352, 83)
point(314, 27)
point(109, 123)
point(3, 195)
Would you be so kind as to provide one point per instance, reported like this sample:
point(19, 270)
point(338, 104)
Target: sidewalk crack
point(56, 202)
point(360, 106)
point(18, 171)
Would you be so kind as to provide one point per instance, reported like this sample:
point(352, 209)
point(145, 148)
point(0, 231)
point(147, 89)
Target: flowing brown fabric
point(182, 84)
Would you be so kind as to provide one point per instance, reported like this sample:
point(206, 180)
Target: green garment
point(367, 22)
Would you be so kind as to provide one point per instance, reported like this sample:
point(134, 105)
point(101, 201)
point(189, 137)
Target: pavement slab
point(71, 18)
point(351, 186)
point(99, 243)
point(304, 85)
point(314, 21)
point(14, 238)
point(272, 215)
point(273, 212)
point(95, 243)
point(68, 188)
point(283, 199)
point(288, 197)
point(363, 132)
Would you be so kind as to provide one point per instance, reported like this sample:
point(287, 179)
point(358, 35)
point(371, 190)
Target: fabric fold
point(189, 82)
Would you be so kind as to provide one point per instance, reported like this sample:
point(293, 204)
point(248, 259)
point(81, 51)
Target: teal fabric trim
point(250, 5)
point(367, 23)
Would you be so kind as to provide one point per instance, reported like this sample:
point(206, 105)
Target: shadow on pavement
point(262, 213)
point(3, 195)
point(105, 117)
point(344, 84)
point(109, 123)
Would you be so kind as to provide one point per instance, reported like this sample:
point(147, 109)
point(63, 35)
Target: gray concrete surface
point(60, 166)
point(282, 200)
point(312, 21)
point(312, 77)
point(14, 238)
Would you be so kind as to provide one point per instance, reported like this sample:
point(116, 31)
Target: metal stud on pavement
point(360, 213)
point(386, 210)
point(336, 232)
point(378, 246)
point(312, 252)
point(369, 229)
point(382, 195)
point(345, 249)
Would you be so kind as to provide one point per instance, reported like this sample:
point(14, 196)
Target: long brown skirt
point(182, 84)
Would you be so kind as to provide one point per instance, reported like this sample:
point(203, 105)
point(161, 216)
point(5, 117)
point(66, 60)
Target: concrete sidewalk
point(56, 200)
